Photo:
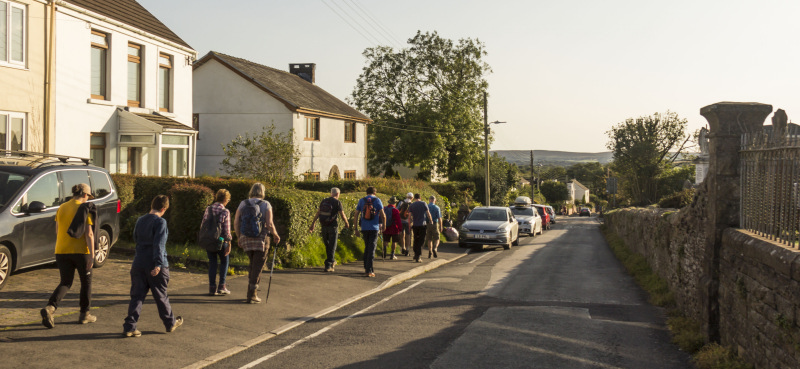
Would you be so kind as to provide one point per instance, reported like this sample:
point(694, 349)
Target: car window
point(522, 211)
point(10, 183)
point(488, 214)
point(71, 178)
point(45, 190)
point(100, 185)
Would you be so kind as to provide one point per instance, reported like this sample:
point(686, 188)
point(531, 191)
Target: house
point(24, 57)
point(577, 191)
point(234, 96)
point(123, 84)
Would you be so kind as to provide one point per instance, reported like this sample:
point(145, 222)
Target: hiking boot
point(330, 269)
point(252, 294)
point(405, 252)
point(178, 323)
point(435, 255)
point(47, 316)
point(327, 269)
point(86, 317)
point(429, 254)
point(133, 333)
point(212, 290)
point(223, 290)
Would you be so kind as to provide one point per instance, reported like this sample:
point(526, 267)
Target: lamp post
point(486, 143)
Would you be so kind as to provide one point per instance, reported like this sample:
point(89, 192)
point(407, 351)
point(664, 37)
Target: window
point(12, 33)
point(97, 149)
point(134, 75)
point(12, 131)
point(99, 72)
point(100, 185)
point(349, 174)
point(130, 160)
point(196, 124)
point(174, 155)
point(45, 190)
point(312, 129)
point(349, 131)
point(71, 178)
point(164, 69)
point(312, 176)
point(137, 139)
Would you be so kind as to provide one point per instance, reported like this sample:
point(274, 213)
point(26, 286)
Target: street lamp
point(486, 143)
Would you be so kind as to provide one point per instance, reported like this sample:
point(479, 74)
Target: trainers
point(417, 260)
point(370, 275)
point(393, 257)
point(327, 269)
point(133, 333)
point(178, 323)
point(223, 290)
point(330, 269)
point(429, 254)
point(405, 252)
point(47, 316)
point(212, 290)
point(86, 317)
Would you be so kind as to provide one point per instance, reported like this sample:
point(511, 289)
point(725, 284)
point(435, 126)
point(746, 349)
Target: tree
point(590, 174)
point(503, 175)
point(554, 192)
point(425, 102)
point(642, 149)
point(268, 157)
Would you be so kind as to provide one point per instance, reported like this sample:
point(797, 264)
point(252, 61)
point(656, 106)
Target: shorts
point(406, 227)
point(432, 232)
point(392, 238)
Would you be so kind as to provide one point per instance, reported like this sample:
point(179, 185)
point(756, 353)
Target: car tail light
point(119, 206)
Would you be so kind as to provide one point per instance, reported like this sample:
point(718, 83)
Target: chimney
point(303, 70)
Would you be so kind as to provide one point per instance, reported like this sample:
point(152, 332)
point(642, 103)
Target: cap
point(82, 188)
point(409, 195)
point(393, 200)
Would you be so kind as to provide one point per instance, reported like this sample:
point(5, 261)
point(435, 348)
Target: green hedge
point(456, 191)
point(188, 202)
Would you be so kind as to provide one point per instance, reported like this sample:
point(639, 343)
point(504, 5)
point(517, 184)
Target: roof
point(131, 13)
point(296, 93)
point(575, 181)
point(164, 121)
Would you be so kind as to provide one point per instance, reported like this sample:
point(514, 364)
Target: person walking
point(369, 212)
point(219, 258)
point(405, 236)
point(253, 222)
point(393, 230)
point(330, 209)
point(434, 230)
point(419, 216)
point(74, 251)
point(150, 269)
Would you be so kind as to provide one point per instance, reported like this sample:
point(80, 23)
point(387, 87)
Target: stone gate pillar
point(727, 122)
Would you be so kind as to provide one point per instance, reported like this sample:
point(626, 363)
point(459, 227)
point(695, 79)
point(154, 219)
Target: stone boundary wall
point(759, 280)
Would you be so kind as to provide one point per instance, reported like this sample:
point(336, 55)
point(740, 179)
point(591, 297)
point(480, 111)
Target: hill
point(557, 158)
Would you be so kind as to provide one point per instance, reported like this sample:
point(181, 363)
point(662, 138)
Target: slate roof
point(131, 13)
point(164, 121)
point(295, 92)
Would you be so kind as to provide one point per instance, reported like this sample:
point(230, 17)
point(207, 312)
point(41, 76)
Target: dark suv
point(32, 187)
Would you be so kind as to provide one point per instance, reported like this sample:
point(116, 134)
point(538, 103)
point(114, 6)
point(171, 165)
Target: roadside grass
point(185, 255)
point(686, 333)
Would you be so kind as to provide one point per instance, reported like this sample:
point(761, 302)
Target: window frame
point(9, 58)
point(167, 146)
point(351, 126)
point(349, 174)
point(312, 176)
point(103, 147)
point(312, 129)
point(137, 60)
point(162, 90)
point(104, 75)
point(10, 115)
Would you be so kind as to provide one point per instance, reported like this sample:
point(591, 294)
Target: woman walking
point(218, 211)
point(253, 222)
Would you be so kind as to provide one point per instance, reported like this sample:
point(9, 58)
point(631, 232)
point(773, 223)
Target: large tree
point(269, 157)
point(590, 174)
point(643, 148)
point(426, 103)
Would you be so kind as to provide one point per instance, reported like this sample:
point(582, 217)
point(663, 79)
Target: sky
point(563, 72)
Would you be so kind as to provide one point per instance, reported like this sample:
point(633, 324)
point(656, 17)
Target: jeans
point(257, 261)
point(224, 261)
point(370, 244)
point(330, 236)
point(67, 264)
point(419, 239)
point(141, 283)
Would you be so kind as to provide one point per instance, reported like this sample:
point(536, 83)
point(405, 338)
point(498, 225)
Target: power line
point(349, 24)
point(370, 22)
point(408, 130)
point(376, 41)
point(369, 14)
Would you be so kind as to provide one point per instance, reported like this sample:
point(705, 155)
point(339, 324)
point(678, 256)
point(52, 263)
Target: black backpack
point(210, 235)
point(252, 219)
point(327, 216)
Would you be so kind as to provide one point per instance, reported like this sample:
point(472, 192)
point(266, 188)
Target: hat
point(81, 189)
point(392, 200)
point(409, 195)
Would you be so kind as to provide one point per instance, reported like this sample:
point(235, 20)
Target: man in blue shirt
point(150, 269)
point(434, 227)
point(419, 214)
point(369, 213)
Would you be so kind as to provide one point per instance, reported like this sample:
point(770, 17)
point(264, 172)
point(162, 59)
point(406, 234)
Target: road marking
point(480, 257)
point(323, 330)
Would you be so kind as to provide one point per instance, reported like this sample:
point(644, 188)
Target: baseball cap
point(409, 195)
point(82, 188)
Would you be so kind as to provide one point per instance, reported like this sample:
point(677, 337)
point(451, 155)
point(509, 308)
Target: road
point(559, 300)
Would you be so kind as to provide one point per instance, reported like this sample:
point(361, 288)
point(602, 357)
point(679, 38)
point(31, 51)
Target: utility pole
point(486, 143)
point(537, 179)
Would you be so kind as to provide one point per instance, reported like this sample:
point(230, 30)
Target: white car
point(528, 218)
point(489, 225)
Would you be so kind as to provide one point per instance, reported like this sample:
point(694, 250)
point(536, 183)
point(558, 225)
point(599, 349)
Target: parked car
point(552, 213)
point(544, 215)
point(489, 225)
point(32, 187)
point(585, 212)
point(528, 218)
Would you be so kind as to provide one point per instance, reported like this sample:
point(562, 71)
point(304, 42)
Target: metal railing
point(770, 186)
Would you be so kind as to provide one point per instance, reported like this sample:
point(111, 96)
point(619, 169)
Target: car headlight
point(463, 229)
point(526, 222)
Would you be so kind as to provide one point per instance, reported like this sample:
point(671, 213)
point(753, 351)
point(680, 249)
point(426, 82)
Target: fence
point(770, 175)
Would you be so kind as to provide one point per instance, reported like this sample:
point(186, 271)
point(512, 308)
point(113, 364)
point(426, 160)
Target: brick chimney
point(303, 70)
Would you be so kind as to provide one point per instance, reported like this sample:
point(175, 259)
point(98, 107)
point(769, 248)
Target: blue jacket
point(150, 235)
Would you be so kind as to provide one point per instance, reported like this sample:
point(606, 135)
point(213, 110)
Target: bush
point(125, 184)
point(456, 191)
point(187, 204)
point(678, 199)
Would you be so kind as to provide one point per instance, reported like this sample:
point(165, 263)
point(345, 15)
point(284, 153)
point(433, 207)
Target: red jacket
point(395, 226)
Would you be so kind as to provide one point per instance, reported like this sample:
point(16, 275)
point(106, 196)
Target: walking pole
point(271, 268)
point(384, 246)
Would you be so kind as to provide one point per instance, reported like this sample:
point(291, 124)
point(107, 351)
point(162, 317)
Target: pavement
point(214, 327)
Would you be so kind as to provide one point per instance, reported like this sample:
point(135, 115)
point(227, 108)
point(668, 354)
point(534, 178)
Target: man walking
point(434, 227)
point(405, 235)
point(150, 269)
point(419, 215)
point(329, 211)
point(391, 233)
point(369, 212)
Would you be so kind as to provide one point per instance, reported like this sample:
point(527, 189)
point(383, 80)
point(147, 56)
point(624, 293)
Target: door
point(39, 237)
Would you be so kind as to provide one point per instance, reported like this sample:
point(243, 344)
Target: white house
point(234, 96)
point(123, 83)
point(577, 191)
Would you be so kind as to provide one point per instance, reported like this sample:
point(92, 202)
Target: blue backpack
point(252, 219)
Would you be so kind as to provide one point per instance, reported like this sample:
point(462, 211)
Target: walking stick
point(271, 268)
point(384, 247)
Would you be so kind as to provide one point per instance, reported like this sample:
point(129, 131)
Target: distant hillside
point(558, 158)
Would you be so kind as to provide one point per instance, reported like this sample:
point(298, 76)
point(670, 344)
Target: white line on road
point(480, 257)
point(323, 330)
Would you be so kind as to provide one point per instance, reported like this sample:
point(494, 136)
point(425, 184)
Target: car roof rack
point(39, 157)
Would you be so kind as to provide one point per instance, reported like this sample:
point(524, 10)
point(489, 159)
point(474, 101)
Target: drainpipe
point(47, 125)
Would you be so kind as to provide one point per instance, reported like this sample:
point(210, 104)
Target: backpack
point(326, 214)
point(369, 210)
point(252, 219)
point(387, 212)
point(210, 235)
point(404, 210)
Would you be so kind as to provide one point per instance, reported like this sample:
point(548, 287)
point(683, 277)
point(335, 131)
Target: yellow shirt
point(66, 244)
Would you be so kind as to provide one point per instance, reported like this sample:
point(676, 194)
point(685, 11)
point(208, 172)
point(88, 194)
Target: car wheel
point(516, 240)
point(533, 233)
point(5, 265)
point(102, 249)
point(476, 248)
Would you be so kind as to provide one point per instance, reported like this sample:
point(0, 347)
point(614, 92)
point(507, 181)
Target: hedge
point(187, 205)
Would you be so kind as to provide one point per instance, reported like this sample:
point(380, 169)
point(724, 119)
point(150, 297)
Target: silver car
point(528, 218)
point(489, 225)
